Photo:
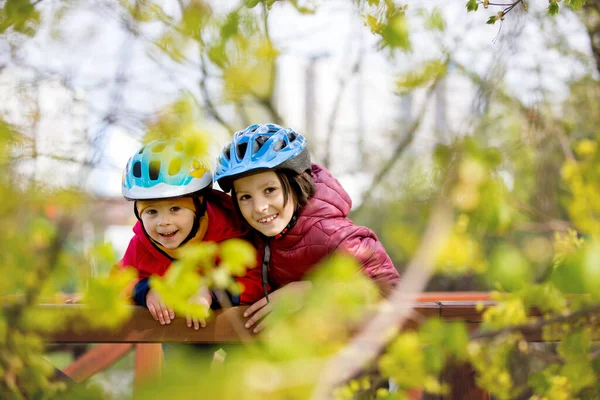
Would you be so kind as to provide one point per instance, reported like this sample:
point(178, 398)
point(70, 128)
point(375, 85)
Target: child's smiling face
point(167, 222)
point(260, 198)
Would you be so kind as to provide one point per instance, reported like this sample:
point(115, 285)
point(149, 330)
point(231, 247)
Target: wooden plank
point(224, 326)
point(453, 296)
point(148, 364)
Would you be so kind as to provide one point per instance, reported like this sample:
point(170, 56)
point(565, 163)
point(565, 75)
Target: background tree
point(510, 199)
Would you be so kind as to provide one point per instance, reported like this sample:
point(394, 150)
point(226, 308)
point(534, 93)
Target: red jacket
point(323, 227)
point(223, 224)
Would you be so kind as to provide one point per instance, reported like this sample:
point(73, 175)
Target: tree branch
point(369, 342)
point(343, 84)
point(209, 104)
point(398, 150)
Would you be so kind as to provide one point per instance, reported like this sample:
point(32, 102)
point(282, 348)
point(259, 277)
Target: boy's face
point(260, 198)
point(167, 222)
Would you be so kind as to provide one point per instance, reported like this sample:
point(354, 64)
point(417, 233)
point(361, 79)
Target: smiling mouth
point(267, 219)
point(168, 235)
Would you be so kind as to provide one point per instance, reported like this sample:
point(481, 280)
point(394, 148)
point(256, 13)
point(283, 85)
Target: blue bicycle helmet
point(260, 147)
point(162, 169)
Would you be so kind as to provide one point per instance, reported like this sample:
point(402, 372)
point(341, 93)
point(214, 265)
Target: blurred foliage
point(520, 172)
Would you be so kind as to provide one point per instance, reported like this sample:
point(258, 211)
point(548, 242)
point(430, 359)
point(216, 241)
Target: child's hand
point(159, 310)
point(204, 298)
point(259, 310)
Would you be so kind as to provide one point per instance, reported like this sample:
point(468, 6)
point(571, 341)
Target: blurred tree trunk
point(591, 19)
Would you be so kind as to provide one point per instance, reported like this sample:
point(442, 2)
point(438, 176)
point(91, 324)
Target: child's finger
point(165, 314)
point(171, 313)
point(159, 314)
point(257, 316)
point(255, 307)
point(188, 320)
point(196, 323)
point(153, 311)
point(261, 326)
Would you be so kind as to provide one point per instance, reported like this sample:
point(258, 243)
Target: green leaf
point(575, 4)
point(509, 268)
point(429, 72)
point(553, 8)
point(237, 255)
point(230, 27)
point(251, 3)
point(472, 5)
point(396, 33)
point(21, 15)
point(435, 21)
point(492, 20)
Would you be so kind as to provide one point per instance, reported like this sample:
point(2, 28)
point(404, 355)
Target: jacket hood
point(330, 199)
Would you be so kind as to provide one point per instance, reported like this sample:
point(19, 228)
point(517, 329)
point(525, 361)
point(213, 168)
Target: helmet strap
point(289, 226)
point(137, 214)
point(200, 210)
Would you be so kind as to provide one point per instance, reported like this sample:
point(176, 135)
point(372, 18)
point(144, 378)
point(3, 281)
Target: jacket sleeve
point(129, 260)
point(252, 286)
point(363, 244)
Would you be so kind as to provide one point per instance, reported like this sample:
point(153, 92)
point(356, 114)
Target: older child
point(175, 206)
point(299, 210)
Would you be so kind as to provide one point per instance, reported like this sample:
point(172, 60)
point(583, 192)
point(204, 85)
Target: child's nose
point(261, 206)
point(164, 220)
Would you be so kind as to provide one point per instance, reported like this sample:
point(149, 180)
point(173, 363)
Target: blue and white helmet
point(261, 147)
point(162, 169)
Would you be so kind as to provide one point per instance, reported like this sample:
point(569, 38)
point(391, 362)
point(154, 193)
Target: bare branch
point(525, 110)
point(343, 84)
point(209, 104)
point(398, 150)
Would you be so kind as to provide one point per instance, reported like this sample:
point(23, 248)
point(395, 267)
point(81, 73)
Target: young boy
point(176, 206)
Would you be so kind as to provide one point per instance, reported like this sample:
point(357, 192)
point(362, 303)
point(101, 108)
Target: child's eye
point(270, 190)
point(244, 197)
point(175, 208)
point(150, 211)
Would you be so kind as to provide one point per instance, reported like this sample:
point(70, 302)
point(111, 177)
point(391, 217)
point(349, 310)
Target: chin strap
point(289, 226)
point(200, 210)
point(267, 256)
point(265, 268)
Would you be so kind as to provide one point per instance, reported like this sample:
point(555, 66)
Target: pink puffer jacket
point(323, 227)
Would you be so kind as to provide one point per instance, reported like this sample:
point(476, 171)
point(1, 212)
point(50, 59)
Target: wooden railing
point(144, 335)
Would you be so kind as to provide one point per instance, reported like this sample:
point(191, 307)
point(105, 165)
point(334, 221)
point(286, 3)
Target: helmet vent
point(261, 140)
point(137, 169)
point(226, 152)
point(142, 150)
point(241, 150)
point(291, 136)
point(154, 170)
point(159, 148)
point(174, 166)
point(279, 145)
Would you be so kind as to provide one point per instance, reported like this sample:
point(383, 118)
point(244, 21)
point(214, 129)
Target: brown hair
point(301, 186)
